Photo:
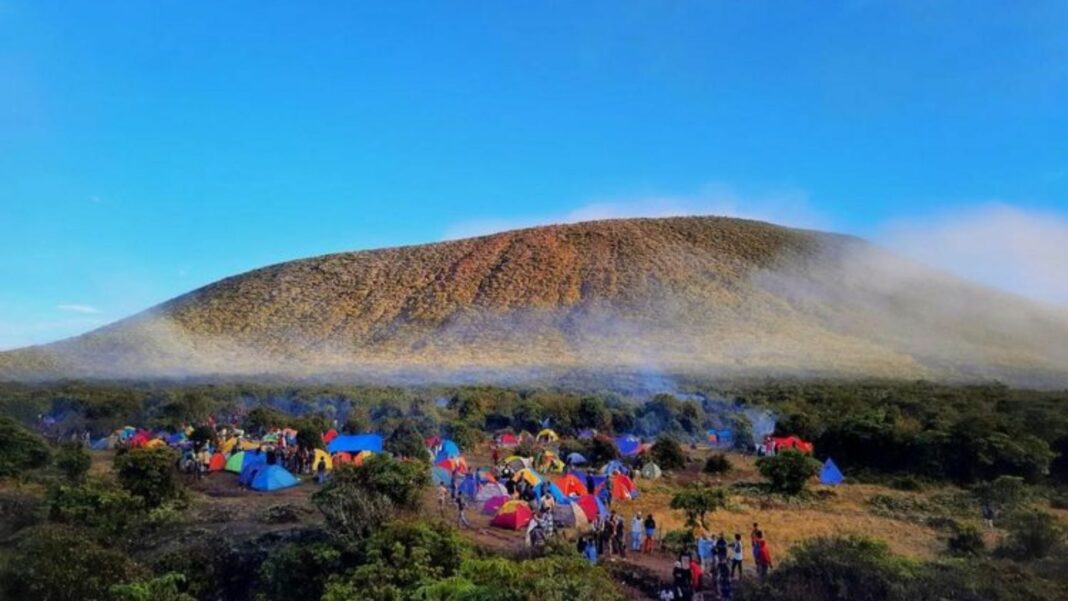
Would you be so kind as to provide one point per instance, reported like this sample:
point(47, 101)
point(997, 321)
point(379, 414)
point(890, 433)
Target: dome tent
point(513, 515)
point(651, 471)
point(272, 477)
point(830, 474)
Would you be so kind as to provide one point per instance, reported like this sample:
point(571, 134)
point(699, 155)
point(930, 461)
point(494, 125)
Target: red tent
point(589, 506)
point(791, 442)
point(140, 439)
point(329, 436)
point(623, 488)
point(217, 463)
point(570, 485)
point(432, 441)
point(507, 439)
point(513, 515)
point(457, 464)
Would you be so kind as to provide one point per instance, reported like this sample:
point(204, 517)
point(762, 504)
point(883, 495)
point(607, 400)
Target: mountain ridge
point(684, 294)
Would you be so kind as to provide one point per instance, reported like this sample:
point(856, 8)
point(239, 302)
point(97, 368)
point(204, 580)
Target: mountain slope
point(706, 295)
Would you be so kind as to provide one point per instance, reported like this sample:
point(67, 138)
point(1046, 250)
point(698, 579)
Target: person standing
point(721, 550)
point(443, 495)
point(763, 556)
point(461, 512)
point(737, 553)
point(636, 533)
point(753, 540)
point(650, 533)
point(320, 471)
point(619, 530)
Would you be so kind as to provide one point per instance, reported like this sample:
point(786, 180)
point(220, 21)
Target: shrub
point(552, 578)
point(1033, 534)
point(73, 461)
point(601, 450)
point(464, 435)
point(298, 571)
point(679, 541)
point(149, 474)
point(698, 499)
point(285, 513)
point(20, 449)
point(357, 499)
point(1004, 493)
point(59, 563)
point(966, 541)
point(19, 510)
point(167, 587)
point(406, 441)
point(99, 505)
point(907, 483)
point(789, 471)
point(667, 453)
point(717, 463)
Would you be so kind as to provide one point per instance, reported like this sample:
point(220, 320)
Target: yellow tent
point(248, 445)
point(532, 478)
point(226, 446)
point(321, 454)
point(548, 435)
point(155, 443)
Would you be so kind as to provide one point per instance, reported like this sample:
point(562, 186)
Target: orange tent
point(570, 485)
point(623, 488)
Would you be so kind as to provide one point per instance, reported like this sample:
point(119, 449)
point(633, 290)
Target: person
point(753, 541)
point(619, 531)
point(763, 556)
point(636, 533)
point(989, 513)
point(721, 550)
point(496, 455)
point(591, 552)
point(536, 538)
point(650, 532)
point(461, 515)
point(589, 481)
point(695, 575)
point(706, 551)
point(443, 495)
point(737, 553)
point(547, 501)
point(320, 471)
point(682, 581)
point(607, 530)
point(726, 591)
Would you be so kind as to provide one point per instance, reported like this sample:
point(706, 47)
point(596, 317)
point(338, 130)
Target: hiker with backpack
point(737, 553)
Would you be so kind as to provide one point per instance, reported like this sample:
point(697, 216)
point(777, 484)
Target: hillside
point(706, 295)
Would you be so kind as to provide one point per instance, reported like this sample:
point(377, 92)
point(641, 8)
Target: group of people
point(716, 567)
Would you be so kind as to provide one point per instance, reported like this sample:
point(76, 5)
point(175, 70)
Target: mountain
point(708, 296)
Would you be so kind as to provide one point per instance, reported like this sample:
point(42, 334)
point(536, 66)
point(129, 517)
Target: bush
point(552, 578)
point(464, 435)
point(601, 450)
point(1033, 534)
point(717, 464)
point(99, 505)
point(357, 499)
point(667, 453)
point(907, 483)
point(73, 461)
point(20, 449)
point(698, 499)
point(789, 471)
point(966, 541)
point(19, 510)
point(298, 571)
point(167, 587)
point(679, 541)
point(149, 474)
point(1004, 493)
point(406, 441)
point(58, 563)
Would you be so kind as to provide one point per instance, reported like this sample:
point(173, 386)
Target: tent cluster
point(256, 461)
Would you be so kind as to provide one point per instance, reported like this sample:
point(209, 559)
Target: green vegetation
point(717, 463)
point(698, 499)
point(73, 461)
point(789, 471)
point(20, 449)
point(149, 474)
point(667, 453)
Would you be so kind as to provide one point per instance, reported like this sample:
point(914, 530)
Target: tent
point(628, 445)
point(587, 434)
point(440, 475)
point(830, 474)
point(449, 450)
point(721, 437)
point(614, 466)
point(577, 459)
point(321, 454)
point(491, 490)
point(174, 439)
point(591, 506)
point(620, 487)
point(570, 515)
point(554, 490)
point(248, 445)
point(530, 476)
point(572, 486)
point(155, 443)
point(549, 462)
point(139, 440)
point(507, 439)
point(516, 463)
point(234, 463)
point(432, 441)
point(107, 442)
point(217, 462)
point(354, 443)
point(513, 515)
point(329, 436)
point(273, 437)
point(228, 445)
point(651, 471)
point(273, 477)
point(781, 443)
point(491, 505)
point(248, 472)
point(547, 435)
point(456, 464)
point(470, 485)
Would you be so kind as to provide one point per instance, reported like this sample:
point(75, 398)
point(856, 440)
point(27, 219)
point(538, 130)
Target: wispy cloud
point(77, 308)
point(20, 333)
point(997, 244)
point(790, 207)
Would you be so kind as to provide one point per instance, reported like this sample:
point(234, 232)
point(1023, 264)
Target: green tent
point(234, 463)
point(651, 471)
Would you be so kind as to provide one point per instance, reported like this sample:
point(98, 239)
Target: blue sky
point(147, 148)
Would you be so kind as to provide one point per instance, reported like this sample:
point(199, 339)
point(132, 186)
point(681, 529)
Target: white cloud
point(76, 308)
point(785, 208)
point(1022, 251)
point(17, 334)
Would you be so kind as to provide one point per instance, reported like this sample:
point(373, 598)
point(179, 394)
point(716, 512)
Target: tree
point(789, 471)
point(73, 461)
point(601, 450)
point(357, 499)
point(1003, 494)
point(1033, 534)
point(717, 463)
point(667, 453)
point(698, 499)
point(299, 570)
point(406, 441)
point(97, 504)
point(464, 434)
point(310, 431)
point(161, 588)
point(149, 474)
point(201, 436)
point(20, 449)
point(839, 568)
point(59, 563)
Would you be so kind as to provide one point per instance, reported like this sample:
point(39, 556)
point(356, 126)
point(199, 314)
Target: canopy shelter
point(830, 474)
point(513, 515)
point(272, 477)
point(354, 443)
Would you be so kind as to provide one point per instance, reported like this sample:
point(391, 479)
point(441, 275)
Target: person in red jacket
point(763, 555)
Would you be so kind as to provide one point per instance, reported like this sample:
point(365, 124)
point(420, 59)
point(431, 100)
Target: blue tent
point(354, 443)
point(248, 473)
point(273, 477)
point(554, 490)
point(101, 444)
point(723, 437)
point(614, 466)
point(440, 475)
point(449, 450)
point(174, 439)
point(830, 474)
point(576, 459)
point(628, 445)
